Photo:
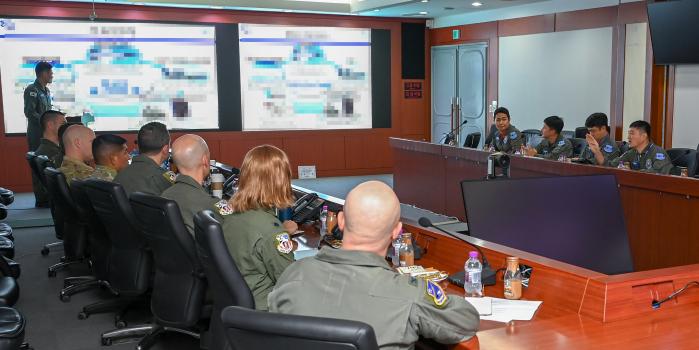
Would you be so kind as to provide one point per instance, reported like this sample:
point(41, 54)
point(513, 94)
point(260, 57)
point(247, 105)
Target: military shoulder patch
point(283, 243)
point(561, 143)
point(659, 156)
point(513, 135)
point(32, 93)
point(223, 207)
point(608, 148)
point(170, 176)
point(435, 293)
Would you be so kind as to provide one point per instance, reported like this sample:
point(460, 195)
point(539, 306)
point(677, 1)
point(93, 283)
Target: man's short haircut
point(502, 110)
point(49, 116)
point(555, 123)
point(641, 125)
point(106, 145)
point(596, 120)
point(42, 67)
point(152, 137)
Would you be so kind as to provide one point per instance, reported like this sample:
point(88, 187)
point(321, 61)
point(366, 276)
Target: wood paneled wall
point(334, 152)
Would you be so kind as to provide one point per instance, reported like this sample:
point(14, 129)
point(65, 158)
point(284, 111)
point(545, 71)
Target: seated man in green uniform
point(356, 283)
point(553, 145)
point(77, 141)
point(111, 156)
point(145, 173)
point(600, 148)
point(49, 147)
point(507, 138)
point(191, 155)
point(643, 154)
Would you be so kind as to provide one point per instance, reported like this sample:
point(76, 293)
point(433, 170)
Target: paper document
point(503, 310)
point(303, 250)
point(484, 305)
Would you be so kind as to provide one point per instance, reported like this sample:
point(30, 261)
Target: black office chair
point(581, 132)
point(130, 262)
point(252, 329)
point(74, 229)
point(226, 283)
point(530, 134)
point(180, 284)
point(472, 140)
point(568, 134)
point(623, 146)
point(683, 157)
point(491, 135)
point(37, 164)
point(578, 146)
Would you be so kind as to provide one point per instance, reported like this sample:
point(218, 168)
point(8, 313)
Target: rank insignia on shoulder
point(284, 244)
point(223, 207)
point(32, 93)
point(435, 293)
point(561, 143)
point(513, 135)
point(608, 148)
point(170, 176)
point(659, 156)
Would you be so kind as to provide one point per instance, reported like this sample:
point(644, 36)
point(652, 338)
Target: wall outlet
point(307, 171)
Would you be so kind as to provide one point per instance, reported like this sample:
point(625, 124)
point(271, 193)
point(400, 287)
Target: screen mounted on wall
point(305, 78)
point(118, 76)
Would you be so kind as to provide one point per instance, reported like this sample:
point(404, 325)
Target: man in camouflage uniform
point(507, 138)
point(111, 156)
point(145, 173)
point(600, 148)
point(37, 100)
point(553, 145)
point(644, 155)
point(51, 121)
point(356, 283)
point(191, 155)
point(77, 141)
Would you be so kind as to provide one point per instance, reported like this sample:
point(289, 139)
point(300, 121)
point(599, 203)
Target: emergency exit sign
point(455, 34)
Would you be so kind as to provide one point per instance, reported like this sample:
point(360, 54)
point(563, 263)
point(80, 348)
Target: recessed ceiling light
point(423, 12)
point(476, 4)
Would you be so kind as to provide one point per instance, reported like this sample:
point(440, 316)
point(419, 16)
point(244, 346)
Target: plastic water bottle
point(472, 281)
point(324, 220)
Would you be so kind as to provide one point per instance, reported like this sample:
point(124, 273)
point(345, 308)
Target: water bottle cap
point(473, 254)
point(325, 207)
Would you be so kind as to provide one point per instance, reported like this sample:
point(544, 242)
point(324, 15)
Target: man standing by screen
point(37, 100)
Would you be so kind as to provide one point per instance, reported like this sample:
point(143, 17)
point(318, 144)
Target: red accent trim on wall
point(527, 25)
point(586, 19)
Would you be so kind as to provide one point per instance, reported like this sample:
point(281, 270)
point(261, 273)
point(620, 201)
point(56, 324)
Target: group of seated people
point(643, 154)
point(354, 282)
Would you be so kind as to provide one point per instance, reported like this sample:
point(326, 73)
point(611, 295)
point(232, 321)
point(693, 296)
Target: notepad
point(484, 305)
point(303, 250)
point(504, 310)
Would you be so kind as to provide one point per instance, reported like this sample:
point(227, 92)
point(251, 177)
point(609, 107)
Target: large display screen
point(303, 78)
point(118, 76)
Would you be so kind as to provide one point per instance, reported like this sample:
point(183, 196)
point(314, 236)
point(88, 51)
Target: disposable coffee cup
point(217, 185)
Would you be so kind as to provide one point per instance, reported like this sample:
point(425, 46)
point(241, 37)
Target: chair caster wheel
point(52, 273)
point(82, 315)
point(106, 342)
point(44, 251)
point(120, 324)
point(65, 298)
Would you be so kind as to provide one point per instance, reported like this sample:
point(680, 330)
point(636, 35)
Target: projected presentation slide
point(117, 76)
point(296, 78)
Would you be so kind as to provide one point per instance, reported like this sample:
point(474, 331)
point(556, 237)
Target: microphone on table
point(449, 137)
point(655, 304)
point(487, 275)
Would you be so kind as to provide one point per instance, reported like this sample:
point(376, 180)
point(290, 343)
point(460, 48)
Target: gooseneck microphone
point(655, 304)
point(449, 137)
point(487, 275)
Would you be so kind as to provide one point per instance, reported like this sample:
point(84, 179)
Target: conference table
point(581, 308)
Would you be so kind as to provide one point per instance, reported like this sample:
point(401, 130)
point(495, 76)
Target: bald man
point(191, 155)
point(77, 141)
point(356, 283)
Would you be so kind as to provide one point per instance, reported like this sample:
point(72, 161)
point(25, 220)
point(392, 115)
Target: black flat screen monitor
point(673, 28)
point(573, 219)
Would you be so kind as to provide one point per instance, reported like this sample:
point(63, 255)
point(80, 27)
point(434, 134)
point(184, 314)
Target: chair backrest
point(472, 140)
point(578, 145)
point(569, 134)
point(100, 246)
point(252, 329)
point(623, 146)
point(65, 214)
point(491, 134)
point(226, 283)
point(30, 159)
point(179, 285)
point(130, 264)
point(42, 162)
point(580, 132)
point(684, 157)
point(530, 135)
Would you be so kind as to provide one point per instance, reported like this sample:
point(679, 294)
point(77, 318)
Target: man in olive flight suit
point(145, 173)
point(644, 155)
point(553, 144)
point(507, 138)
point(37, 100)
point(356, 283)
point(77, 141)
point(600, 148)
point(111, 156)
point(49, 147)
point(191, 155)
